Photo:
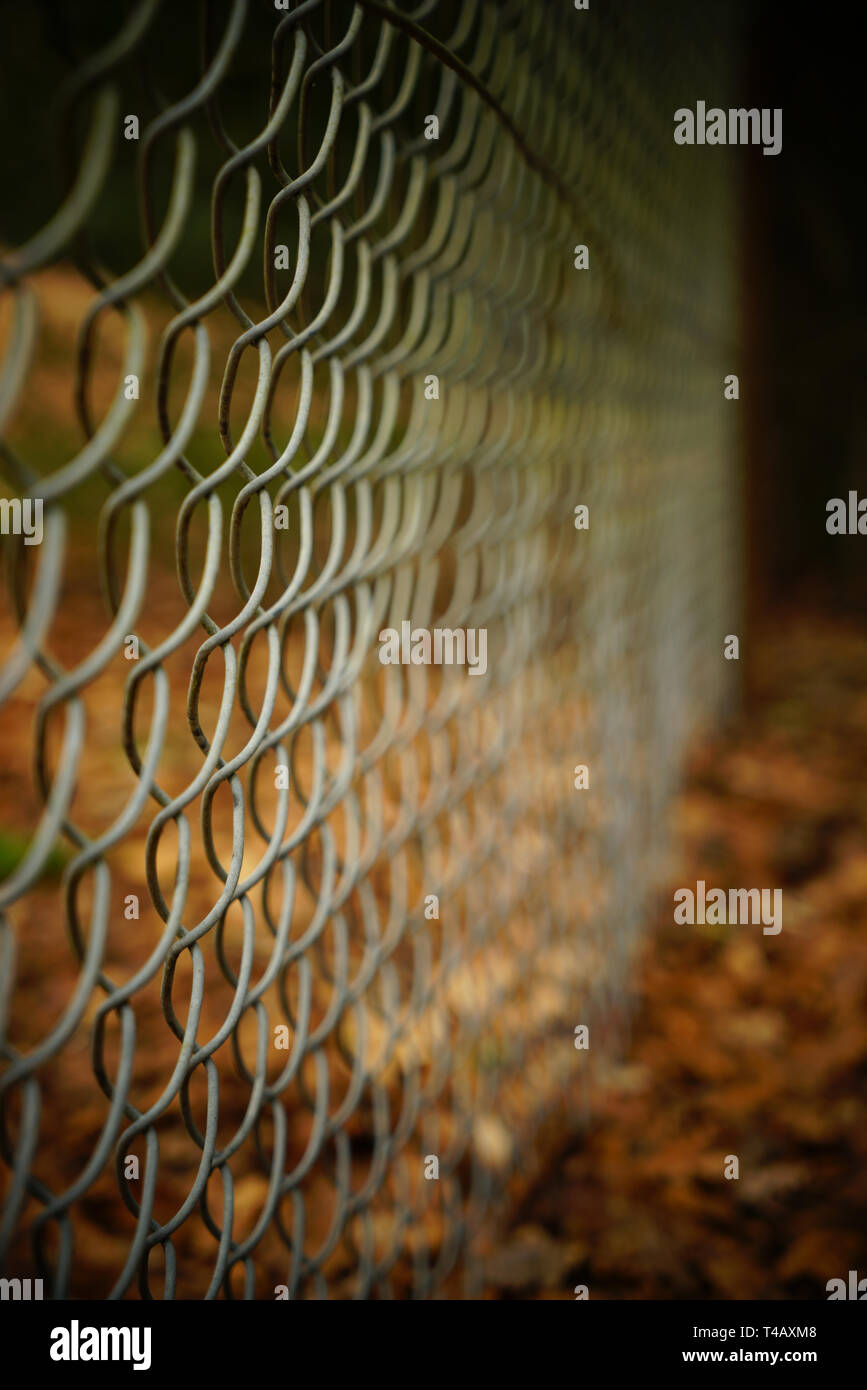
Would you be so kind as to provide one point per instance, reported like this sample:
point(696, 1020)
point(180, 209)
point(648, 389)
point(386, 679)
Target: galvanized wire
point(305, 900)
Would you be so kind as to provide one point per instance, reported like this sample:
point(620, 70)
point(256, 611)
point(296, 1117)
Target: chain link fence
point(300, 345)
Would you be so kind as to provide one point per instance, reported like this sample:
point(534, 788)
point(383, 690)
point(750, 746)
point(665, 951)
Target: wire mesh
point(289, 364)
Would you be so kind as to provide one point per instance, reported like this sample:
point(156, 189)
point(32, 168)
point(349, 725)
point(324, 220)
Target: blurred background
point(804, 308)
point(740, 1046)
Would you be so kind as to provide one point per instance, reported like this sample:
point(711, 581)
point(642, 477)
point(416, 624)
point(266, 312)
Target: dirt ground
point(743, 1044)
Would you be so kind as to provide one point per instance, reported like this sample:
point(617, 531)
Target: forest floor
point(743, 1044)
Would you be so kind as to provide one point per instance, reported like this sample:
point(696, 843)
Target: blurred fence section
point(300, 345)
